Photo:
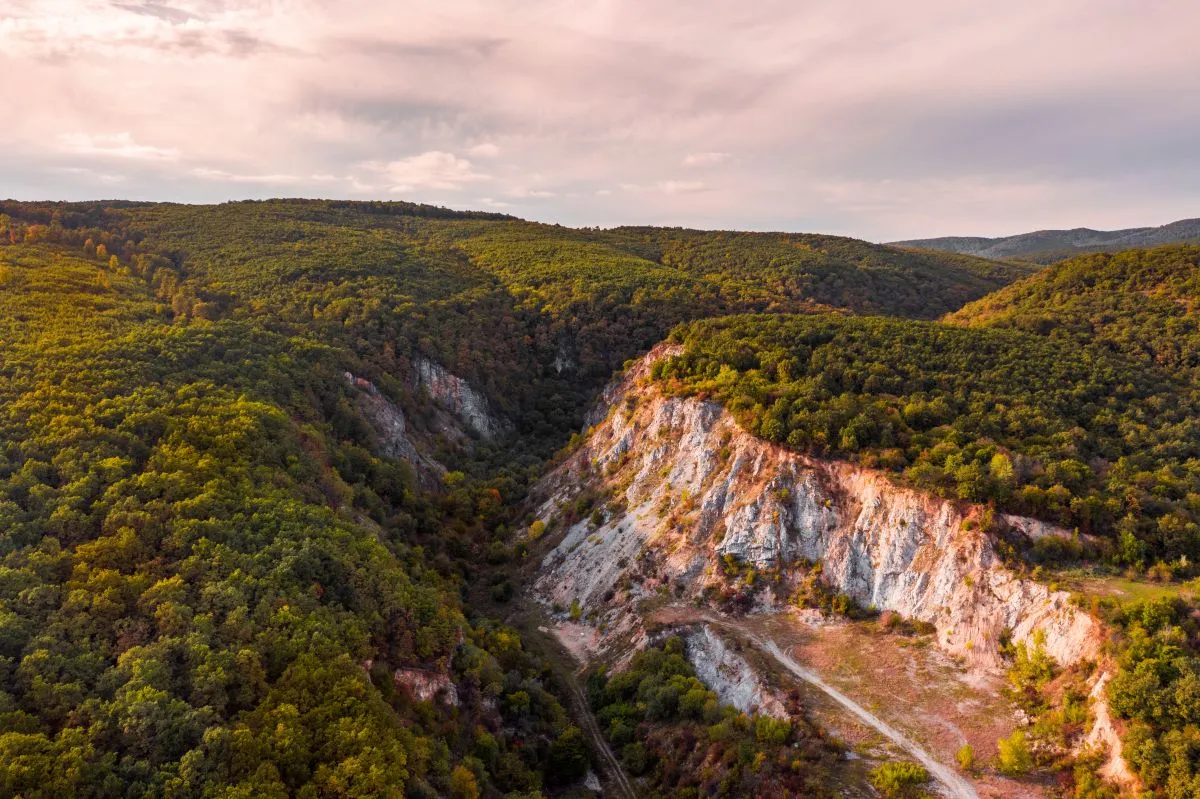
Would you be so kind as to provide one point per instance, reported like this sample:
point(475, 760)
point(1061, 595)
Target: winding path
point(584, 714)
point(952, 782)
point(527, 619)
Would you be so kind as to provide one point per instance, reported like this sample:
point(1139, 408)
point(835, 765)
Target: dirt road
point(954, 784)
point(530, 621)
point(951, 782)
point(583, 714)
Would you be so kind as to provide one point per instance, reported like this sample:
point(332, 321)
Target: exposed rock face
point(1104, 736)
point(457, 396)
point(563, 359)
point(392, 439)
point(728, 673)
point(427, 686)
point(688, 487)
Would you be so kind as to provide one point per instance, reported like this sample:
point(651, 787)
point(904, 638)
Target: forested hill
point(842, 272)
point(213, 582)
point(536, 316)
point(1059, 429)
point(207, 580)
point(1071, 396)
point(1143, 303)
point(1048, 246)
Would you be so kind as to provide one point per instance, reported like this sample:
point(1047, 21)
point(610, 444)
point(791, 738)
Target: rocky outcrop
point(390, 428)
point(563, 359)
point(1104, 737)
point(690, 497)
point(729, 675)
point(457, 397)
point(427, 686)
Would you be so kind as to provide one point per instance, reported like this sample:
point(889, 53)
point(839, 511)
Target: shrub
point(636, 758)
point(770, 730)
point(1015, 757)
point(568, 759)
point(463, 784)
point(900, 780)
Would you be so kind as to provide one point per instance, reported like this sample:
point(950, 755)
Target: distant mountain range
point(1046, 246)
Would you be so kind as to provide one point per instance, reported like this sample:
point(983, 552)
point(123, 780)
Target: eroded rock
point(459, 398)
point(688, 492)
point(427, 686)
point(390, 428)
point(729, 675)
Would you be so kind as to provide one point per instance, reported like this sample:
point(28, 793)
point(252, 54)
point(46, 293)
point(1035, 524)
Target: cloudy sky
point(873, 118)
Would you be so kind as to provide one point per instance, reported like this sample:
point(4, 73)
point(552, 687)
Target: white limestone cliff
point(459, 398)
point(685, 487)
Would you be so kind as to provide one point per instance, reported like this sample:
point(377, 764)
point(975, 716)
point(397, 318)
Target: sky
point(874, 118)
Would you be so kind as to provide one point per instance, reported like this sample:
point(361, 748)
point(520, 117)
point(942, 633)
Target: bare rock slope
point(458, 397)
point(457, 411)
point(690, 504)
point(391, 433)
point(728, 673)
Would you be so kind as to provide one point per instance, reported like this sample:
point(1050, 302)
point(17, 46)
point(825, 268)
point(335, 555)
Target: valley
point(652, 545)
point(335, 499)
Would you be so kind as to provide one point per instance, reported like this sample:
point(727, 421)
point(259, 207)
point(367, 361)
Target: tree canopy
point(212, 582)
point(1051, 427)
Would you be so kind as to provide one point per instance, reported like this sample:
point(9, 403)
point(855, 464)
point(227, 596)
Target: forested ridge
point(1059, 430)
point(1144, 304)
point(208, 573)
point(497, 301)
point(1052, 246)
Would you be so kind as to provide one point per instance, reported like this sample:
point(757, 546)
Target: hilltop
point(269, 470)
point(1047, 246)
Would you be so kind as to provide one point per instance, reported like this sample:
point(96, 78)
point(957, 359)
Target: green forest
point(214, 584)
point(669, 726)
point(495, 300)
point(1144, 304)
point(191, 601)
point(1072, 433)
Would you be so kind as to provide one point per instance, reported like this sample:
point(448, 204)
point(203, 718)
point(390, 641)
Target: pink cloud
point(205, 99)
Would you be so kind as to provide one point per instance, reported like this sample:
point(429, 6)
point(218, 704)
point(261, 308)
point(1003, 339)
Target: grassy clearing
point(1123, 590)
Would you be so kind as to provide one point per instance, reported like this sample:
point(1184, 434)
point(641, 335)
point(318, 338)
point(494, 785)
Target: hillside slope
point(683, 497)
point(210, 584)
point(1066, 431)
point(745, 466)
point(536, 317)
point(837, 271)
point(670, 514)
point(1144, 304)
point(1047, 246)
